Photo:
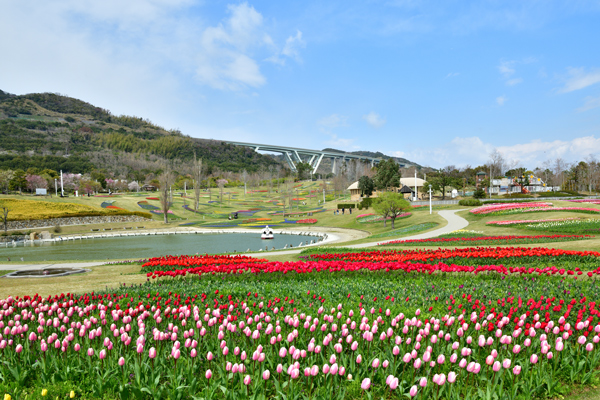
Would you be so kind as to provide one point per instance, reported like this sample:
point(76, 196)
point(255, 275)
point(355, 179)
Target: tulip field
point(487, 240)
point(370, 324)
point(521, 208)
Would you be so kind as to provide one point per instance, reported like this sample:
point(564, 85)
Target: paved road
point(454, 222)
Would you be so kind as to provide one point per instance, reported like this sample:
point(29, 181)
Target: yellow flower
point(7, 397)
point(72, 394)
point(44, 392)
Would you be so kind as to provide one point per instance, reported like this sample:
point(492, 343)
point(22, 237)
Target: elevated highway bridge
point(313, 157)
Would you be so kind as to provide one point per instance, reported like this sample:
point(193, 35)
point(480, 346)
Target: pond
point(141, 247)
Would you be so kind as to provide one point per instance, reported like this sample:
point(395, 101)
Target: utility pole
point(62, 190)
point(429, 199)
point(416, 195)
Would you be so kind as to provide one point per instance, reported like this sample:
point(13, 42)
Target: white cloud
point(473, 151)
point(579, 78)
point(333, 121)
point(501, 100)
point(590, 103)
point(374, 119)
point(291, 49)
point(507, 68)
point(224, 58)
point(452, 75)
point(292, 46)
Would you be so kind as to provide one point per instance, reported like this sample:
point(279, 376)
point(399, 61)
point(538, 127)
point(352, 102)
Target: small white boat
point(267, 233)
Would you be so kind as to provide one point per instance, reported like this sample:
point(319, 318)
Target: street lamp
point(430, 199)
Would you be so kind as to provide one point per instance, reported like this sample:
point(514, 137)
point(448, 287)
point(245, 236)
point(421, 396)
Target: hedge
point(469, 202)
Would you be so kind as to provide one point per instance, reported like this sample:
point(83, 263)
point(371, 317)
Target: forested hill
point(399, 160)
point(47, 130)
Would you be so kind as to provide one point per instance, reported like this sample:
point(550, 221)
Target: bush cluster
point(469, 202)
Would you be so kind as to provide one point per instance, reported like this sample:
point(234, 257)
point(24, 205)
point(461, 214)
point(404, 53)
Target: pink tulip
point(496, 366)
point(90, 352)
point(413, 391)
point(314, 370)
point(247, 380)
point(359, 359)
point(517, 370)
point(209, 356)
point(423, 382)
point(366, 384)
point(334, 369)
point(533, 359)
point(208, 374)
point(326, 369)
point(152, 353)
point(452, 376)
point(279, 368)
point(266, 374)
point(506, 363)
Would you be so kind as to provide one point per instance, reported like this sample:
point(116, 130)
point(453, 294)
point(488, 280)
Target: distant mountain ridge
point(403, 162)
point(49, 130)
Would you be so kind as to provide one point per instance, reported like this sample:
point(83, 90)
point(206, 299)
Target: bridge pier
point(292, 155)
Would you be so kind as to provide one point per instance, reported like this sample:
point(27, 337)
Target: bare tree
point(245, 177)
point(221, 184)
point(592, 172)
point(166, 179)
point(197, 177)
point(4, 217)
point(558, 168)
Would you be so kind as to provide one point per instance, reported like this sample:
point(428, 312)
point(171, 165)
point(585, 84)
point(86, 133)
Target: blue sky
point(438, 83)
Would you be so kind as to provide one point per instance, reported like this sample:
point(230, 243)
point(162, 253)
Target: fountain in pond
point(45, 272)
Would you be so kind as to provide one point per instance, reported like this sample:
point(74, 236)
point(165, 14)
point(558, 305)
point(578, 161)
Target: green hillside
point(47, 130)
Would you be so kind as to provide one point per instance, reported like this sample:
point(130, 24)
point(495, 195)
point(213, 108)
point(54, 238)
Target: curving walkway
point(454, 223)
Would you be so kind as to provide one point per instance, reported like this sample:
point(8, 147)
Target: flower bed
point(526, 222)
point(146, 206)
point(23, 210)
point(308, 221)
point(342, 335)
point(538, 256)
point(152, 198)
point(368, 218)
point(488, 240)
point(572, 225)
point(506, 208)
point(519, 208)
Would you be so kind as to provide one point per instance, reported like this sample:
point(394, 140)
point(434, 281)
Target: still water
point(141, 247)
